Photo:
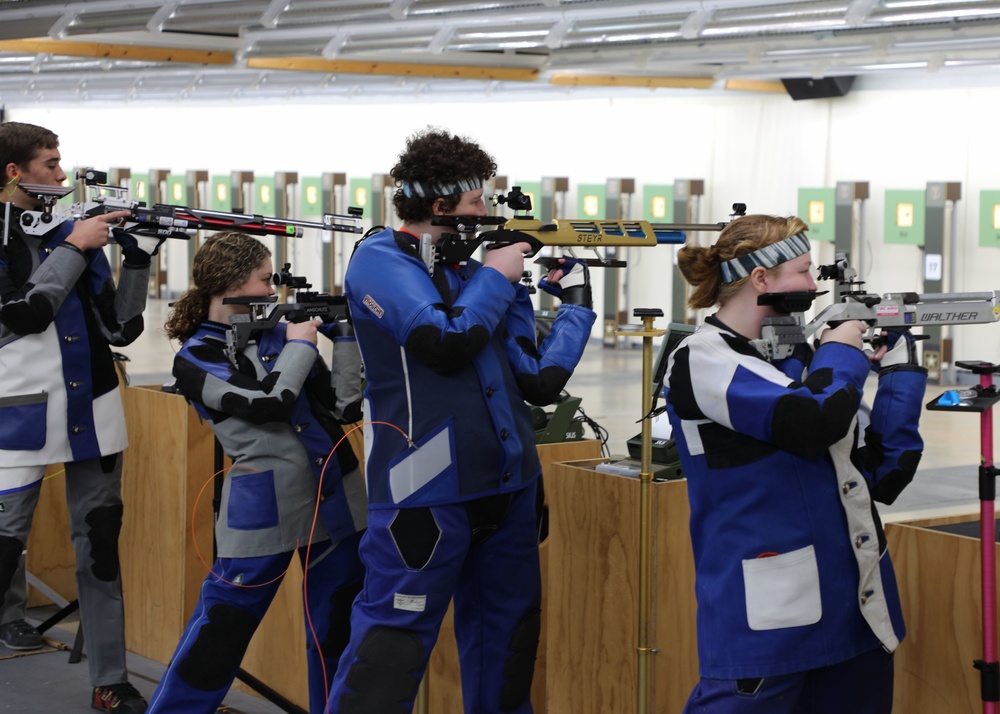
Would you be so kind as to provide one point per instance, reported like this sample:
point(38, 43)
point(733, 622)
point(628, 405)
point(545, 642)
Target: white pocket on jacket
point(783, 590)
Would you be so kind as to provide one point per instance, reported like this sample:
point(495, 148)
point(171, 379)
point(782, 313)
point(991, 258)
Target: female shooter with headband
point(275, 413)
point(798, 609)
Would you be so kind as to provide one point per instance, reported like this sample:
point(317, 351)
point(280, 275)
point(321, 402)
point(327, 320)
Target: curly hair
point(224, 261)
point(700, 265)
point(20, 142)
point(434, 156)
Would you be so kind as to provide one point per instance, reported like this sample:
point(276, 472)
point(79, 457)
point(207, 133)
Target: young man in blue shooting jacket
point(60, 312)
point(451, 464)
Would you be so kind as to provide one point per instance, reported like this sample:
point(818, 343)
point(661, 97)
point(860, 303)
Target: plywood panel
point(594, 588)
point(169, 459)
point(940, 583)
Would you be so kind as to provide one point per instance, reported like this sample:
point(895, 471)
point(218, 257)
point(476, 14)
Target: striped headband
point(422, 189)
point(770, 256)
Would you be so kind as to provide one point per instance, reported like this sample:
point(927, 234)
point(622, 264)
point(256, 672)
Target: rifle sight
point(92, 177)
point(285, 277)
point(840, 270)
point(516, 200)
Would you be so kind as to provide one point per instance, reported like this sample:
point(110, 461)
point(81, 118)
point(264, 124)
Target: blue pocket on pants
point(23, 422)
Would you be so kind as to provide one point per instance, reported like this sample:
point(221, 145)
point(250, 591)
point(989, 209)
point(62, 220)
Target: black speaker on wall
point(809, 88)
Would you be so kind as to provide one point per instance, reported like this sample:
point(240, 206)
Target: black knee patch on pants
point(213, 659)
point(10, 553)
point(105, 524)
point(520, 666)
point(109, 463)
point(416, 534)
point(339, 633)
point(384, 678)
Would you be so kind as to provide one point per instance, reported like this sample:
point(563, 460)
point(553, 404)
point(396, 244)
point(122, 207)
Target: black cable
point(599, 431)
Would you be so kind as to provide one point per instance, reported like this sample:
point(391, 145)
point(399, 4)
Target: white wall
point(757, 149)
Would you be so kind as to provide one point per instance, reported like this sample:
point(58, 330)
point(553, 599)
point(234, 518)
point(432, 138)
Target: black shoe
point(19, 635)
point(120, 698)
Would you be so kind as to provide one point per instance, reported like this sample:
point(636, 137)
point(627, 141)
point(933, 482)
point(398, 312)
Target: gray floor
point(43, 682)
point(607, 380)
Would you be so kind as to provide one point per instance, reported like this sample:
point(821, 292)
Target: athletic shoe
point(119, 698)
point(19, 635)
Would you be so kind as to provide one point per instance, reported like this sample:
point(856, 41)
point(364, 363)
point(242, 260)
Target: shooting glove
point(137, 250)
point(573, 287)
point(902, 348)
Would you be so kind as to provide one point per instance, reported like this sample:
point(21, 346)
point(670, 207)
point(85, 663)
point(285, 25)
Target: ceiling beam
point(607, 80)
point(125, 52)
point(398, 69)
point(755, 85)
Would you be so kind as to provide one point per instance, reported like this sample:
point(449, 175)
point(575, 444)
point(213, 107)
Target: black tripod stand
point(66, 609)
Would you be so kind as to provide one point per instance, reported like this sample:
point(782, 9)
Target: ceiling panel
point(100, 49)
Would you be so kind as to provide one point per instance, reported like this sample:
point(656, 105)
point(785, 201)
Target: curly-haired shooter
point(450, 357)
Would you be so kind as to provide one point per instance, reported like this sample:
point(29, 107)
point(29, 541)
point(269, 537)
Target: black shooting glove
point(137, 250)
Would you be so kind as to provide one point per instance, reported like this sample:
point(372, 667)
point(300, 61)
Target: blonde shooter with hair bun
point(700, 266)
point(798, 608)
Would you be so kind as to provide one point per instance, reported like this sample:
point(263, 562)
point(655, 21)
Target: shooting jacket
point(59, 314)
point(783, 463)
point(450, 360)
point(275, 414)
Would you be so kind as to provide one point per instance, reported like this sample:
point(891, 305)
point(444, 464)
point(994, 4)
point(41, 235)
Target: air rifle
point(458, 247)
point(779, 335)
point(162, 220)
point(266, 312)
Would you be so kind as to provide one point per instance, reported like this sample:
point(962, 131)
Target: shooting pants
point(484, 554)
point(93, 496)
point(234, 599)
point(862, 685)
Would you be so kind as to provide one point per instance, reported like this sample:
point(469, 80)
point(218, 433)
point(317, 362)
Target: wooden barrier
point(170, 460)
point(940, 585)
point(593, 589)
